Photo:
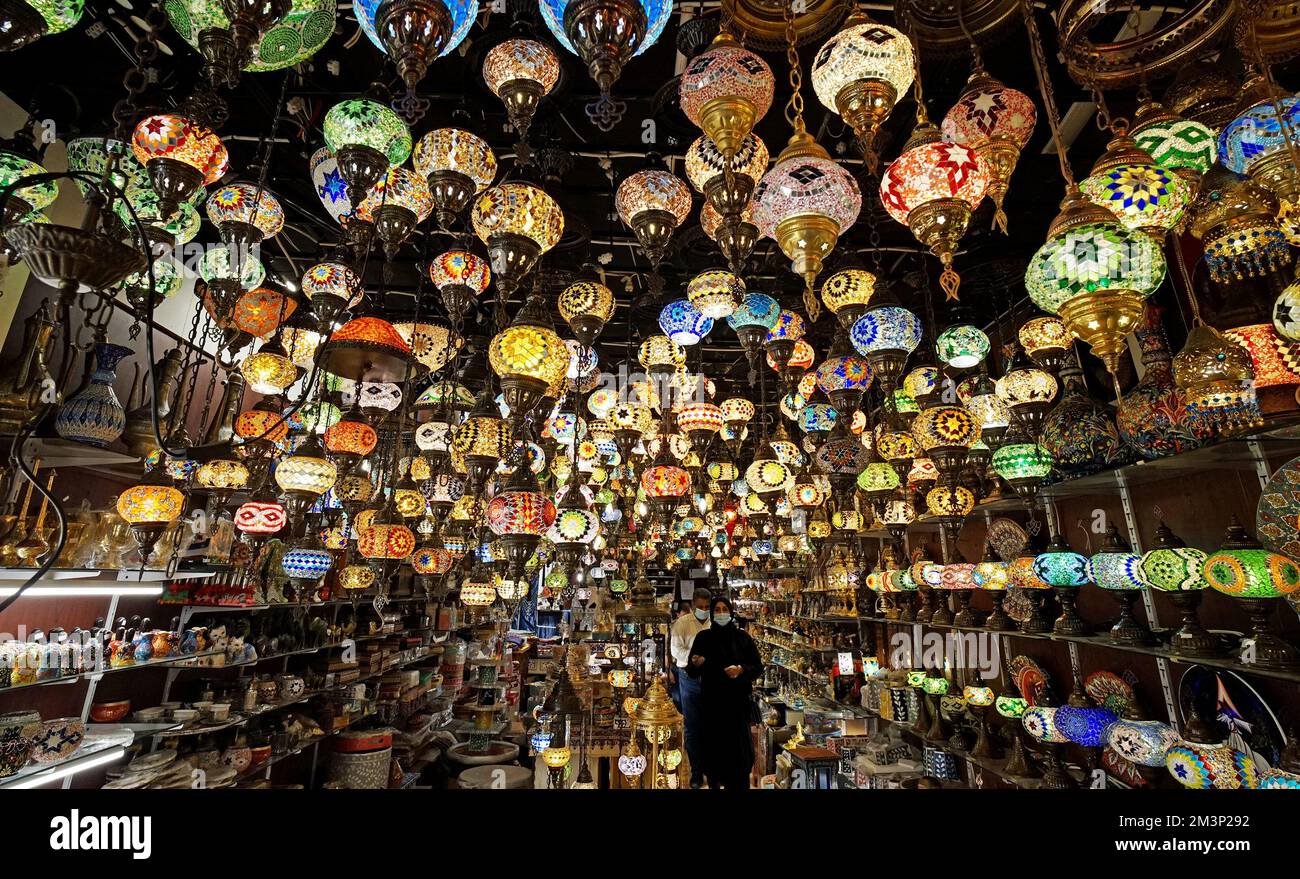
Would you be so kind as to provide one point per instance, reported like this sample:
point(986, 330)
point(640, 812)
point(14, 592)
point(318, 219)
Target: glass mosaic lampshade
point(962, 346)
point(652, 203)
point(455, 165)
point(366, 138)
point(683, 322)
point(1144, 742)
point(847, 294)
point(724, 91)
point(521, 72)
point(1143, 194)
point(716, 293)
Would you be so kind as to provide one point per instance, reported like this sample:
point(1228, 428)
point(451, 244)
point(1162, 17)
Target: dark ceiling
point(80, 80)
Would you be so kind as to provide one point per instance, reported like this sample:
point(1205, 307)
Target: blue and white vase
point(94, 416)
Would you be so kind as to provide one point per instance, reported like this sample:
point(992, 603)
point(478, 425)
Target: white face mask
point(701, 615)
point(721, 619)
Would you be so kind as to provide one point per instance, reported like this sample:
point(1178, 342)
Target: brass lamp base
point(521, 97)
point(727, 121)
point(413, 33)
point(865, 104)
point(452, 191)
point(939, 225)
point(999, 157)
point(807, 239)
point(1103, 318)
point(654, 229)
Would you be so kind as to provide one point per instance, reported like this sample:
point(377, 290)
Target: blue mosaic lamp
point(683, 323)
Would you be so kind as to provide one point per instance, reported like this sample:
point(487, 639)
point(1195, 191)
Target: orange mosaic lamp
point(367, 348)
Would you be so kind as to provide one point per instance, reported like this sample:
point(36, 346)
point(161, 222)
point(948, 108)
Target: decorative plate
point(1121, 769)
point(1029, 678)
point(152, 762)
point(1109, 690)
point(1277, 517)
point(1235, 708)
point(1007, 537)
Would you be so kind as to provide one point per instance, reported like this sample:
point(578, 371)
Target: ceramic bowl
point(260, 754)
point(149, 715)
point(13, 755)
point(202, 707)
point(236, 758)
point(184, 715)
point(219, 711)
point(58, 739)
point(110, 712)
point(18, 724)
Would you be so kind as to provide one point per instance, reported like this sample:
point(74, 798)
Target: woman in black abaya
point(727, 663)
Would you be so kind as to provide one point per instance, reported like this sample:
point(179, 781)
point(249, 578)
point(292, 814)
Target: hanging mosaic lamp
point(1236, 220)
point(518, 222)
point(860, 73)
point(456, 165)
point(1080, 432)
point(995, 121)
point(366, 139)
point(1130, 184)
point(606, 34)
point(1152, 417)
point(847, 294)
point(461, 277)
point(1046, 341)
point(1218, 379)
point(653, 203)
point(528, 357)
point(180, 157)
point(586, 307)
point(521, 72)
point(725, 90)
point(1185, 146)
point(1095, 274)
point(886, 334)
point(932, 188)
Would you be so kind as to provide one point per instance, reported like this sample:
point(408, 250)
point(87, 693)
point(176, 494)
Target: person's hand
point(697, 660)
point(733, 671)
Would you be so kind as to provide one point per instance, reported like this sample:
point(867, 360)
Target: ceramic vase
point(1152, 417)
point(94, 415)
point(1079, 431)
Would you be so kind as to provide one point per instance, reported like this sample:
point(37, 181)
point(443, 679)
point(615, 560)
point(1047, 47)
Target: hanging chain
point(977, 61)
point(136, 80)
point(794, 107)
point(1045, 89)
point(917, 91)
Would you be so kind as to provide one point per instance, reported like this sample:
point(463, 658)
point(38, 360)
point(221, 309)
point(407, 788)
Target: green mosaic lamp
point(1172, 567)
point(1244, 570)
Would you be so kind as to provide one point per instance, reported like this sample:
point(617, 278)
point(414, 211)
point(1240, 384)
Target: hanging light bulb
point(457, 165)
point(860, 73)
point(521, 72)
point(150, 507)
point(366, 138)
point(995, 121)
point(653, 203)
point(180, 156)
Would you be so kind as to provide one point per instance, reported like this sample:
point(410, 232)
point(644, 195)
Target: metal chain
point(1045, 89)
point(136, 80)
point(794, 107)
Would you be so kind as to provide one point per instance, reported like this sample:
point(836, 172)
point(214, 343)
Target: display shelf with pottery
point(498, 751)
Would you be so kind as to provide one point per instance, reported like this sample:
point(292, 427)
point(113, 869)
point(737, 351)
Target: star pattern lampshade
point(400, 188)
point(333, 280)
point(246, 203)
point(953, 502)
point(432, 345)
point(1092, 257)
point(756, 310)
point(460, 268)
point(1142, 194)
point(848, 288)
point(886, 328)
point(683, 322)
point(846, 372)
point(930, 172)
point(174, 137)
point(518, 512)
point(358, 122)
point(383, 541)
point(945, 427)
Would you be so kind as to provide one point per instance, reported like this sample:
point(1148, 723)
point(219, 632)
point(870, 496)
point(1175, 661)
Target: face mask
point(701, 615)
point(721, 619)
